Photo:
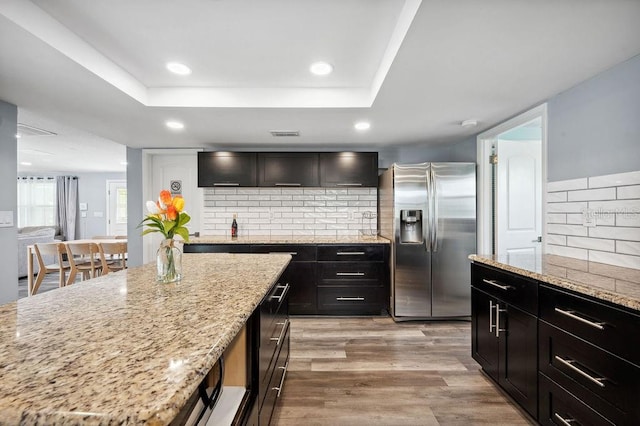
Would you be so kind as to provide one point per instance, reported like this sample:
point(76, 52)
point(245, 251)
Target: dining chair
point(49, 249)
point(84, 258)
point(115, 256)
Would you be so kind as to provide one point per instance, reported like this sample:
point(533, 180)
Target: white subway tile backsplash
point(592, 194)
point(591, 243)
point(625, 192)
point(628, 247)
point(577, 230)
point(619, 179)
point(611, 203)
point(556, 197)
point(566, 185)
point(623, 260)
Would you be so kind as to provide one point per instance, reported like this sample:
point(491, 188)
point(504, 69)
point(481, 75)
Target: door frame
point(108, 218)
point(485, 202)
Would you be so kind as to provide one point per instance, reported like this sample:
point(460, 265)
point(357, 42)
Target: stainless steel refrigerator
point(428, 211)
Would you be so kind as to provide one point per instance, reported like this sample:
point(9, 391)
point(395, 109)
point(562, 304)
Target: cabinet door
point(226, 169)
point(301, 276)
point(519, 356)
point(288, 169)
point(484, 343)
point(344, 169)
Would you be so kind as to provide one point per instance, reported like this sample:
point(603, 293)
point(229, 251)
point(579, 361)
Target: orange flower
point(178, 203)
point(165, 197)
point(172, 213)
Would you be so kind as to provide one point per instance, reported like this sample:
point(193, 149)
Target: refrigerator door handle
point(426, 216)
point(433, 216)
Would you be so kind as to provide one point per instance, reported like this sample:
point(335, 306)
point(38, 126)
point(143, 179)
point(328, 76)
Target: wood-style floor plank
point(373, 371)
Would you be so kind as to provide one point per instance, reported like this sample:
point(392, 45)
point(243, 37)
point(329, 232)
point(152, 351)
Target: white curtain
point(36, 201)
point(66, 217)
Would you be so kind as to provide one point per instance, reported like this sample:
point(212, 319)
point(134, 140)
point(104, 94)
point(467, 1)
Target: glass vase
point(169, 262)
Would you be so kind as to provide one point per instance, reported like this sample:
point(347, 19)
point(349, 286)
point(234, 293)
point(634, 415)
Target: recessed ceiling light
point(174, 125)
point(469, 123)
point(321, 68)
point(362, 125)
point(178, 68)
point(25, 163)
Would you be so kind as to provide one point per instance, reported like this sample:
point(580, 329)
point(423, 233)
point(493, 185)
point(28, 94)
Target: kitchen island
point(559, 335)
point(123, 348)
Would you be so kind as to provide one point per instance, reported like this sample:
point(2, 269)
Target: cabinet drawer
point(298, 252)
point(556, 405)
point(604, 326)
point(355, 273)
point(351, 300)
point(603, 381)
point(350, 253)
point(514, 289)
point(216, 248)
point(271, 383)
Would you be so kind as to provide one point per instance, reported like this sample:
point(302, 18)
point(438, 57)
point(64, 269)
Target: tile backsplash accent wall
point(596, 219)
point(288, 211)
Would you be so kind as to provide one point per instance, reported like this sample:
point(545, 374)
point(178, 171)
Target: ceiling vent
point(26, 130)
point(284, 133)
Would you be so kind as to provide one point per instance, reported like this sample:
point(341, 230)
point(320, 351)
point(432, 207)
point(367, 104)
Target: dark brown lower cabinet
point(504, 343)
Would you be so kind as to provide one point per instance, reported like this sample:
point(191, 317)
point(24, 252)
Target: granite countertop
point(288, 239)
point(122, 348)
point(605, 282)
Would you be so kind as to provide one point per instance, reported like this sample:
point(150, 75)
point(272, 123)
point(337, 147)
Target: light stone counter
point(289, 239)
point(605, 282)
point(122, 348)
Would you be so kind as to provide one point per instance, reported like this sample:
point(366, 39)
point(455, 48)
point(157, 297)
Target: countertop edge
point(565, 283)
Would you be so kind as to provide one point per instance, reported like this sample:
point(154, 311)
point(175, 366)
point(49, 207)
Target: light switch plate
point(6, 219)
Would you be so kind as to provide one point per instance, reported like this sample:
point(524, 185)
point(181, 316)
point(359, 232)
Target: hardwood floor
point(373, 371)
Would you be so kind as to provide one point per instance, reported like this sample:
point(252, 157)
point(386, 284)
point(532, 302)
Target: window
point(36, 201)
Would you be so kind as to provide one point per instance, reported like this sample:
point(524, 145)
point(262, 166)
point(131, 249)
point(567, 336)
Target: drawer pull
point(571, 314)
point(279, 388)
point(569, 363)
point(350, 274)
point(496, 284)
point(350, 253)
point(563, 421)
point(349, 299)
point(288, 184)
point(226, 184)
point(284, 291)
point(349, 184)
point(284, 328)
point(292, 253)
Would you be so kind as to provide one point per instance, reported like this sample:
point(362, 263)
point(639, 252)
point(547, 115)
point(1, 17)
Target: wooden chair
point(49, 249)
point(84, 258)
point(115, 256)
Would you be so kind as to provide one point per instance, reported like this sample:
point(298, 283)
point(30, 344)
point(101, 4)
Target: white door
point(177, 173)
point(116, 207)
point(519, 197)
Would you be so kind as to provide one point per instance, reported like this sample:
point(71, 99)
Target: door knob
point(538, 240)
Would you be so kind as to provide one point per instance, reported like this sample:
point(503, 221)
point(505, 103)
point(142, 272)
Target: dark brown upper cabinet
point(224, 168)
point(288, 169)
point(349, 169)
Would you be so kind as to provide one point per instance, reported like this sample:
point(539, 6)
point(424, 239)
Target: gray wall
point(8, 201)
point(92, 189)
point(594, 127)
point(135, 206)
point(464, 151)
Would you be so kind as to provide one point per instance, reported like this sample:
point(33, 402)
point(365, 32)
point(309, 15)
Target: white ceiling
point(415, 69)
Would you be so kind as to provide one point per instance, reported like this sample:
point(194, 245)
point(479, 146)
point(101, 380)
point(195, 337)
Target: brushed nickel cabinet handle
point(563, 421)
point(279, 388)
point(292, 253)
point(350, 274)
point(284, 328)
point(284, 291)
point(569, 363)
point(287, 184)
point(572, 315)
point(346, 299)
point(491, 325)
point(226, 184)
point(496, 284)
point(498, 310)
point(350, 253)
point(349, 184)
